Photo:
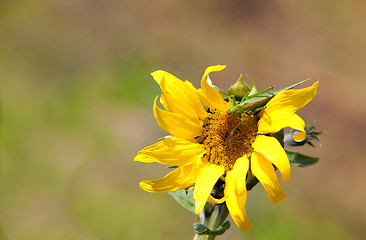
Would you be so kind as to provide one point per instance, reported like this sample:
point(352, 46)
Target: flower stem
point(215, 220)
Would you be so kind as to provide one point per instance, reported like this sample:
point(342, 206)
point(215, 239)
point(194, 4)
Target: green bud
point(239, 89)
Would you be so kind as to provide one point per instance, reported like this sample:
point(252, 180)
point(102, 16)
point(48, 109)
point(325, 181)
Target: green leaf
point(184, 198)
point(201, 229)
point(301, 160)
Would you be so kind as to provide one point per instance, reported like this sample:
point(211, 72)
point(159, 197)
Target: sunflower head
point(227, 138)
point(220, 142)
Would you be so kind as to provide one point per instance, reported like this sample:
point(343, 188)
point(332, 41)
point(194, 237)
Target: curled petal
point(236, 193)
point(216, 201)
point(208, 95)
point(178, 96)
point(176, 124)
point(265, 173)
point(272, 150)
point(206, 180)
point(275, 121)
point(280, 111)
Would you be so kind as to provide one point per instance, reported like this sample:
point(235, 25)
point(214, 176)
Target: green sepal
point(217, 89)
point(301, 160)
point(172, 167)
point(279, 136)
point(201, 229)
point(251, 181)
point(253, 89)
point(315, 136)
point(184, 198)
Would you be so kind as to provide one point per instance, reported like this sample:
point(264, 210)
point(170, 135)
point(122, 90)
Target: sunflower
point(209, 145)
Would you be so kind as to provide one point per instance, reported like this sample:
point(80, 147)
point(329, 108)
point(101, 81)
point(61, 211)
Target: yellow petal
point(274, 121)
point(206, 180)
point(291, 100)
point(176, 124)
point(265, 173)
point(182, 177)
point(208, 95)
point(171, 151)
point(159, 75)
point(177, 105)
point(236, 193)
point(272, 150)
point(178, 96)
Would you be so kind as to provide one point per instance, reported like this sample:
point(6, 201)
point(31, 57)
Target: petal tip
point(145, 186)
point(136, 159)
point(286, 177)
point(278, 197)
point(246, 226)
point(198, 207)
point(299, 137)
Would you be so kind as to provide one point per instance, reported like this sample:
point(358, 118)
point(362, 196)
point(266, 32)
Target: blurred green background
point(76, 107)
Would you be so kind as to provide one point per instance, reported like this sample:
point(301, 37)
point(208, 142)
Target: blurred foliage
point(76, 97)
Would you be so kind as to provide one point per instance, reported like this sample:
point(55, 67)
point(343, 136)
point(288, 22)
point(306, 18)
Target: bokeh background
point(76, 107)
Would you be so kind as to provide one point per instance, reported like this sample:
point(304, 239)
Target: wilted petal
point(208, 95)
point(272, 150)
point(265, 173)
point(236, 193)
point(176, 124)
point(206, 180)
point(182, 177)
point(178, 96)
point(171, 151)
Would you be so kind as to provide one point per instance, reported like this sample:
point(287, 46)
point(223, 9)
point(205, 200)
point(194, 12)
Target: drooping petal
point(265, 173)
point(206, 180)
point(291, 100)
point(171, 151)
point(178, 97)
point(182, 177)
point(208, 95)
point(236, 193)
point(176, 124)
point(277, 120)
point(272, 150)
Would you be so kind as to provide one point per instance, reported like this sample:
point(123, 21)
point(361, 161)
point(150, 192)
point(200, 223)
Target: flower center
point(227, 138)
